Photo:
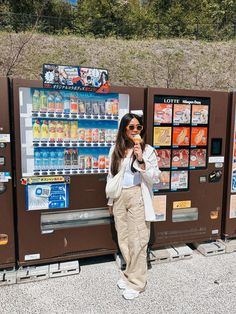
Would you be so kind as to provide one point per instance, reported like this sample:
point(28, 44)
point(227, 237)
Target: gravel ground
point(197, 285)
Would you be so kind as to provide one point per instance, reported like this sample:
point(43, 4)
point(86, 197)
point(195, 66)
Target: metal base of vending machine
point(170, 254)
point(230, 245)
point(210, 248)
point(36, 273)
point(7, 277)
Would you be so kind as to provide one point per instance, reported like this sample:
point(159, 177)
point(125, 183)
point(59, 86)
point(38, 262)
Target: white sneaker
point(130, 294)
point(121, 284)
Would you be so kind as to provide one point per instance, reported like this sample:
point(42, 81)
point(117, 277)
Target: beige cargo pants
point(133, 235)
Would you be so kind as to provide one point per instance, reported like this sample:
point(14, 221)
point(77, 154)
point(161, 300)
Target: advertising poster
point(198, 157)
point(199, 136)
point(181, 136)
point(180, 158)
point(233, 186)
point(232, 211)
point(75, 78)
point(179, 180)
point(159, 205)
point(164, 184)
point(163, 157)
point(162, 136)
point(47, 196)
point(200, 114)
point(162, 113)
point(181, 114)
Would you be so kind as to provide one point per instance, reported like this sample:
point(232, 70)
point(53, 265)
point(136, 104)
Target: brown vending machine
point(62, 142)
point(229, 225)
point(188, 130)
point(7, 241)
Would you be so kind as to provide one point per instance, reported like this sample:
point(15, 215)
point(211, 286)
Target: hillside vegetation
point(176, 63)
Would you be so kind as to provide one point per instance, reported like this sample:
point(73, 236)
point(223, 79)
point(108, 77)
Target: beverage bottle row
point(59, 159)
point(58, 131)
point(55, 102)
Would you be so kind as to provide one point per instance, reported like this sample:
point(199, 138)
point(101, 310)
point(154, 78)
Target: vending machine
point(188, 130)
point(229, 221)
point(7, 238)
point(62, 141)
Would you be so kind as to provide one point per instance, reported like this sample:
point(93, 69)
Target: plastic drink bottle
point(44, 131)
point(67, 104)
point(43, 100)
point(37, 159)
point(35, 101)
point(59, 103)
point(51, 103)
point(36, 130)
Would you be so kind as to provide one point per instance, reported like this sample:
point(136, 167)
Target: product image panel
point(163, 185)
point(162, 136)
point(199, 136)
point(181, 136)
point(198, 158)
point(180, 158)
point(179, 180)
point(182, 114)
point(163, 157)
point(162, 113)
point(200, 114)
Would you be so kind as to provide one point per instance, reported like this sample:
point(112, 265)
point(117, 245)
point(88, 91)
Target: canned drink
point(81, 135)
point(94, 162)
point(73, 104)
point(74, 158)
point(96, 108)
point(52, 130)
point(101, 162)
point(106, 162)
point(88, 162)
point(102, 107)
point(60, 131)
point(115, 107)
point(81, 107)
point(66, 130)
point(108, 107)
point(82, 162)
point(114, 134)
point(95, 135)
point(67, 158)
point(74, 130)
point(89, 107)
point(88, 135)
point(108, 135)
point(102, 135)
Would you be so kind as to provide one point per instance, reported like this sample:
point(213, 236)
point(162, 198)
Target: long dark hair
point(123, 143)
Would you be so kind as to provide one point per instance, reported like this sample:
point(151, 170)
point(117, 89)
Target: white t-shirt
point(130, 178)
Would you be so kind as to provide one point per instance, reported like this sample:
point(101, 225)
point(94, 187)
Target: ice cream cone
point(137, 139)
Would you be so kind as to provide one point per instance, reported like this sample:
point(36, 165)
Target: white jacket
point(149, 176)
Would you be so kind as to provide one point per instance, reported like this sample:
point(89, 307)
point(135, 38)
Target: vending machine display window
point(180, 136)
point(68, 132)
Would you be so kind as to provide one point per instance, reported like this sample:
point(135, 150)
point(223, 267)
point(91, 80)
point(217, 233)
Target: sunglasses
point(138, 127)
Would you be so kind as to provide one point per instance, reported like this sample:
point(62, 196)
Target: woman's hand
point(138, 152)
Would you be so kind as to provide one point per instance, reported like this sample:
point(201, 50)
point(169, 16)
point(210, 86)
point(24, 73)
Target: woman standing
point(133, 209)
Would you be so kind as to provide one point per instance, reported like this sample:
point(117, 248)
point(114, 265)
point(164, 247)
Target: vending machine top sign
point(75, 78)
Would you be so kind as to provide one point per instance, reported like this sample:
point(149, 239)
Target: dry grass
point(175, 63)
